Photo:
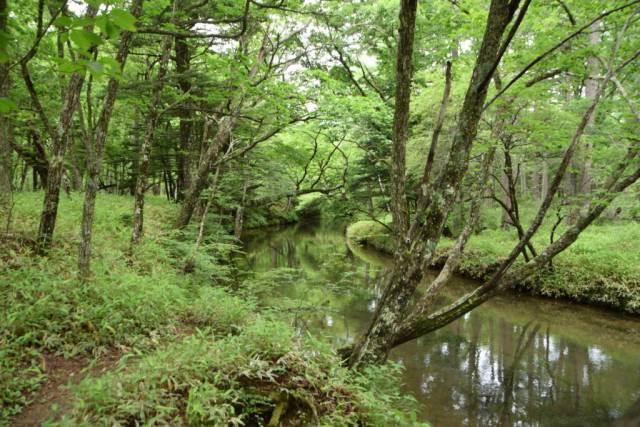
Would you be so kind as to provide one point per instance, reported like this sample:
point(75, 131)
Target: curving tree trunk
point(220, 142)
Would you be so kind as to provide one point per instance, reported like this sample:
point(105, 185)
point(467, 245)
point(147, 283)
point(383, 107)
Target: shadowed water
point(516, 360)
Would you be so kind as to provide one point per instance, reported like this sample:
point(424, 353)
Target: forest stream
point(516, 360)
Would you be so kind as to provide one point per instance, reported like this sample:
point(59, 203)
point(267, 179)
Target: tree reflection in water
point(513, 361)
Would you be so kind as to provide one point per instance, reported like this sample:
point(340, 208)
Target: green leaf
point(107, 27)
point(123, 19)
point(63, 21)
point(81, 22)
point(110, 66)
point(67, 66)
point(85, 39)
point(7, 105)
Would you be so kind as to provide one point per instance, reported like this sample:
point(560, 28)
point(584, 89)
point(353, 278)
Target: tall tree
point(5, 125)
point(417, 248)
point(95, 144)
point(153, 116)
point(396, 320)
point(59, 135)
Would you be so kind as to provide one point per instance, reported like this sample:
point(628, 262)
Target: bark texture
point(60, 141)
point(5, 137)
point(418, 245)
point(145, 149)
point(404, 71)
point(95, 144)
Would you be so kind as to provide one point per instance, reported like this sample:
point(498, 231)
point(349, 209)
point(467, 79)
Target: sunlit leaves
point(84, 39)
point(123, 19)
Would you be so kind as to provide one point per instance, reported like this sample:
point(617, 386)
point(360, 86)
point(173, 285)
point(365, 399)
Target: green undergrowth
point(198, 349)
point(240, 379)
point(601, 268)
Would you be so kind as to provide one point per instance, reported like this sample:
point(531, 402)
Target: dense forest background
point(168, 128)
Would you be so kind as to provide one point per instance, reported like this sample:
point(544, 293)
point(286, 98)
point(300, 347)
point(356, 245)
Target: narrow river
point(516, 360)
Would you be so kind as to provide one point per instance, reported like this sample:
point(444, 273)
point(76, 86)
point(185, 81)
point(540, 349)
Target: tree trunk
point(220, 142)
point(184, 155)
point(95, 151)
point(544, 185)
point(23, 176)
point(404, 71)
point(199, 182)
point(591, 88)
point(145, 148)
point(505, 221)
point(239, 223)
point(59, 147)
point(522, 171)
point(412, 258)
point(56, 166)
point(5, 136)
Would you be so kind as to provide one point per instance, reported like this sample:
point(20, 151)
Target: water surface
point(516, 360)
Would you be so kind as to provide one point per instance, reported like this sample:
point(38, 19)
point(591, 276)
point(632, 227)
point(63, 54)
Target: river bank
point(196, 347)
point(515, 360)
point(602, 268)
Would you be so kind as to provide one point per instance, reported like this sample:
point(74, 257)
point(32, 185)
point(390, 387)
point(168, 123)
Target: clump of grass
point(241, 379)
point(371, 233)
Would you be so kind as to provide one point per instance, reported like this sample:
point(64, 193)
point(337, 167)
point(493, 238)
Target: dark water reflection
point(516, 360)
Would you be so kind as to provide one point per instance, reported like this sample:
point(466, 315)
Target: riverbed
point(516, 360)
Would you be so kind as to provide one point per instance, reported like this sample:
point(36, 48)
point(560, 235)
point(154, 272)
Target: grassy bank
point(602, 268)
point(194, 349)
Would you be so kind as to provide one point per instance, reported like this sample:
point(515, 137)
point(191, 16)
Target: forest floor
point(143, 342)
point(602, 268)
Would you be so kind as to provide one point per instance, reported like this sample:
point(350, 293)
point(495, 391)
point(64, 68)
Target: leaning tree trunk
point(95, 152)
point(145, 148)
point(209, 159)
point(417, 248)
point(391, 328)
point(219, 144)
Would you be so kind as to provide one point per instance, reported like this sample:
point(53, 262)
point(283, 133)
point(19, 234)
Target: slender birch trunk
point(147, 143)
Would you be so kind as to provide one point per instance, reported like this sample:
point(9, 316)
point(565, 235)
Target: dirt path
point(54, 390)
